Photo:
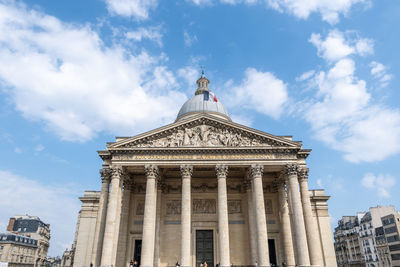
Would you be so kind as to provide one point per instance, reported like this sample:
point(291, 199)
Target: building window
point(390, 230)
point(394, 247)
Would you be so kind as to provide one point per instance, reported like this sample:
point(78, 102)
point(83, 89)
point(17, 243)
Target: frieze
point(204, 187)
point(204, 206)
point(173, 207)
point(173, 156)
point(234, 206)
point(235, 187)
point(201, 135)
point(172, 189)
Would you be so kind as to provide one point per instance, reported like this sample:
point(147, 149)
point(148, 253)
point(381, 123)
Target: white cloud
point(150, 33)
point(138, 9)
point(381, 183)
point(190, 75)
point(57, 205)
point(338, 45)
point(260, 91)
point(380, 72)
point(188, 39)
point(328, 9)
point(305, 76)
point(66, 77)
point(342, 113)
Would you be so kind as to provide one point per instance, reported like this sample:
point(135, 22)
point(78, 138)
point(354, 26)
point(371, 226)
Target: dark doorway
point(204, 247)
point(272, 251)
point(138, 251)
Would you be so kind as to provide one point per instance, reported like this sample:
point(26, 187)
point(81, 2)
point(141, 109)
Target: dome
point(204, 101)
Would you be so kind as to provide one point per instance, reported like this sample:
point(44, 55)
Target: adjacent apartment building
point(17, 250)
point(25, 235)
point(369, 239)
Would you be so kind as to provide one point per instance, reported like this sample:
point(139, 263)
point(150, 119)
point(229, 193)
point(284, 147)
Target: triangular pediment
point(204, 131)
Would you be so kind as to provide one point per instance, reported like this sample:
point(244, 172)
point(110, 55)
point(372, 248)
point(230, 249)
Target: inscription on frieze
point(287, 154)
point(140, 208)
point(234, 206)
point(173, 207)
point(204, 206)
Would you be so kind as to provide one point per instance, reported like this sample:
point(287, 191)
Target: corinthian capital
point(186, 170)
point(105, 174)
point(256, 170)
point(302, 173)
point(116, 172)
point(291, 169)
point(151, 171)
point(222, 170)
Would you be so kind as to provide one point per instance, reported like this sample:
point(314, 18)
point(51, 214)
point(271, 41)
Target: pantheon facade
point(204, 189)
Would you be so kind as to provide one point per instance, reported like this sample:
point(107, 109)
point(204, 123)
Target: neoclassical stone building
point(204, 189)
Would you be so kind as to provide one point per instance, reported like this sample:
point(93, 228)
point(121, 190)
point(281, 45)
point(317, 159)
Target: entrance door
point(204, 247)
point(272, 251)
point(138, 251)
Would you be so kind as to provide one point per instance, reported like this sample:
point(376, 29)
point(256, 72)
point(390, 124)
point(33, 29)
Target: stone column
point(300, 239)
point(101, 216)
point(285, 230)
point(261, 222)
point(124, 224)
point(111, 218)
point(149, 221)
point(186, 222)
point(314, 243)
point(252, 223)
point(223, 223)
point(158, 224)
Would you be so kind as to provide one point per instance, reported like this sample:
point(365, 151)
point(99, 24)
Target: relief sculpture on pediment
point(204, 136)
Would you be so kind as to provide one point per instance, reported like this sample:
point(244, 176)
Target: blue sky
point(75, 74)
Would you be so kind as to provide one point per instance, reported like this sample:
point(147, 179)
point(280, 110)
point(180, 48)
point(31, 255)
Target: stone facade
point(205, 189)
point(18, 250)
point(32, 227)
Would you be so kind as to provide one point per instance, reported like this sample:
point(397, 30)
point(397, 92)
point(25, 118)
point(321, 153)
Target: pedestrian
point(135, 264)
point(205, 264)
point(177, 264)
point(131, 263)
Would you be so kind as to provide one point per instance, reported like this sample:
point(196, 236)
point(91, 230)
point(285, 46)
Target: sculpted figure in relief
point(203, 135)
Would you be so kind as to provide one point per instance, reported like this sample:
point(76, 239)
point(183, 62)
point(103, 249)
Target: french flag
point(210, 96)
point(213, 97)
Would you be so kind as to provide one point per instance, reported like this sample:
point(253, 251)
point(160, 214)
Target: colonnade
point(300, 236)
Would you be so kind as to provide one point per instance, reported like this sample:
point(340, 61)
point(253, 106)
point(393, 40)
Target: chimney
point(10, 224)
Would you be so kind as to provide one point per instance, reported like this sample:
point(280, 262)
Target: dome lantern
point(204, 101)
point(202, 84)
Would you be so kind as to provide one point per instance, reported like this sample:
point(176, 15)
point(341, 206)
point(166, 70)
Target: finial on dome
point(202, 83)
